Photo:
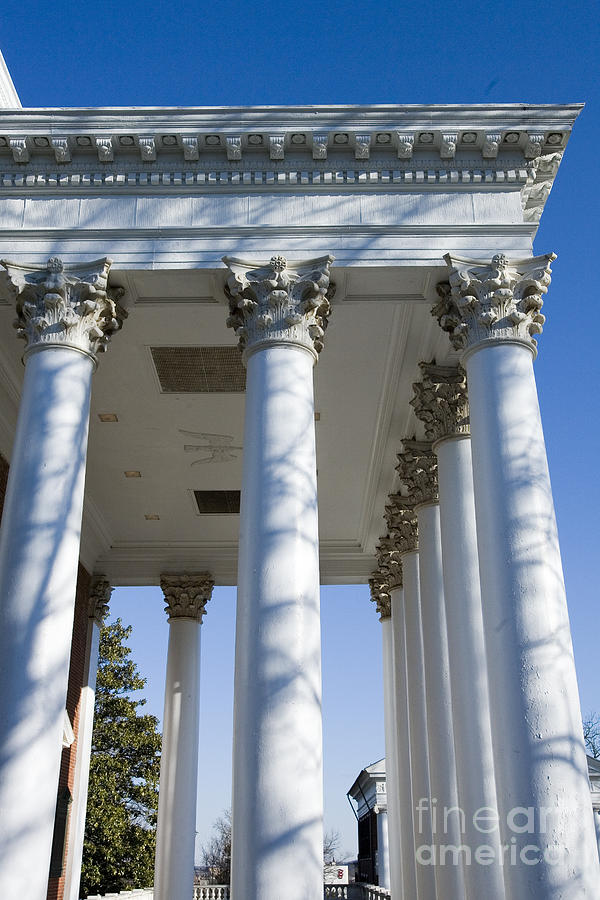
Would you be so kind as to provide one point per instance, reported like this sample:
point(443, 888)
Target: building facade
point(234, 249)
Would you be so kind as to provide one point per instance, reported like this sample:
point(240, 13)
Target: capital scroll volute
point(65, 305)
point(490, 301)
point(186, 596)
point(279, 302)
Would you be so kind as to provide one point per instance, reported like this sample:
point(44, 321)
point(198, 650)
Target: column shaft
point(419, 750)
point(176, 831)
point(407, 886)
point(391, 755)
point(39, 549)
point(277, 769)
point(446, 816)
point(468, 667)
point(383, 848)
point(536, 719)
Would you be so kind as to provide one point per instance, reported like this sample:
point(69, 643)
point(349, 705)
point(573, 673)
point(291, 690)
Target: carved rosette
point(279, 303)
point(417, 468)
point(65, 305)
point(441, 401)
point(501, 300)
point(401, 520)
point(100, 592)
point(186, 596)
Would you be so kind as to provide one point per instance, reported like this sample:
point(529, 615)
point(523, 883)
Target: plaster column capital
point(380, 594)
point(497, 301)
point(279, 303)
point(62, 305)
point(401, 519)
point(186, 596)
point(441, 401)
point(417, 468)
point(100, 592)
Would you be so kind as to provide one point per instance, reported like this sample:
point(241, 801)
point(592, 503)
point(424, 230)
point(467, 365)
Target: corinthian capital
point(279, 303)
point(402, 523)
point(380, 595)
point(441, 401)
point(388, 560)
point(417, 467)
point(65, 305)
point(100, 592)
point(186, 596)
point(500, 300)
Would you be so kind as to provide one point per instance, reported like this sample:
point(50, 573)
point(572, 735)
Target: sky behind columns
point(233, 53)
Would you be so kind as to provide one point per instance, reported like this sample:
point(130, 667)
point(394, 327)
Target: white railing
point(137, 894)
point(211, 892)
point(373, 892)
point(336, 890)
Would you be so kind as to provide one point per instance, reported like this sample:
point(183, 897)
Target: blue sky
point(234, 53)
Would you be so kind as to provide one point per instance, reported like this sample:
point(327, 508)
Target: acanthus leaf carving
point(63, 305)
point(417, 468)
point(100, 592)
point(380, 595)
point(441, 401)
point(402, 525)
point(279, 302)
point(500, 300)
point(186, 596)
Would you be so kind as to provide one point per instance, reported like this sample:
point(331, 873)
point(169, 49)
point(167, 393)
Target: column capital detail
point(100, 591)
point(417, 468)
point(380, 595)
point(441, 401)
point(279, 303)
point(401, 519)
point(186, 596)
point(388, 558)
point(500, 300)
point(62, 305)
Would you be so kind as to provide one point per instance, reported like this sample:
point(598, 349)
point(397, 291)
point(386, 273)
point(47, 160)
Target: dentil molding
point(186, 596)
point(441, 401)
point(484, 302)
point(65, 305)
point(279, 303)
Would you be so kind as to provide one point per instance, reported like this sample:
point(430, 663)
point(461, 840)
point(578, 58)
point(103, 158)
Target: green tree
point(120, 831)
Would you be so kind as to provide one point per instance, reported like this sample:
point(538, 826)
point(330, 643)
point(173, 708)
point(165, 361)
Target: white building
point(257, 227)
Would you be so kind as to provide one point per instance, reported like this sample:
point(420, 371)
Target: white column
point(402, 523)
point(492, 311)
point(99, 597)
point(65, 316)
point(383, 849)
point(441, 403)
point(408, 884)
point(279, 313)
point(381, 595)
point(186, 597)
point(418, 470)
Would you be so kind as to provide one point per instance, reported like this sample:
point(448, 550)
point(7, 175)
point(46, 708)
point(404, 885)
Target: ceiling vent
point(199, 370)
point(212, 503)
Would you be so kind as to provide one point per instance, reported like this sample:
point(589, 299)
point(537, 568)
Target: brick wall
point(78, 649)
point(76, 674)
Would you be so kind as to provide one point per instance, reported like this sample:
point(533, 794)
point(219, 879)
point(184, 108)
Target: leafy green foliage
point(120, 831)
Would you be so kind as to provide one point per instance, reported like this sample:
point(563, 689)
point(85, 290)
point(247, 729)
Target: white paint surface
point(440, 730)
point(468, 666)
point(277, 764)
point(176, 829)
point(535, 714)
point(383, 850)
point(39, 549)
point(391, 757)
point(404, 854)
point(417, 711)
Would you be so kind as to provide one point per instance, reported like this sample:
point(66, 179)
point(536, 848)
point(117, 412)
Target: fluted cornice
point(62, 305)
point(441, 401)
point(417, 468)
point(279, 303)
point(500, 300)
point(100, 592)
point(401, 520)
point(186, 596)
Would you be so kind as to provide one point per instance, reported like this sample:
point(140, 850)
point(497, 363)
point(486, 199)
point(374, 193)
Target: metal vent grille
point(199, 370)
point(215, 502)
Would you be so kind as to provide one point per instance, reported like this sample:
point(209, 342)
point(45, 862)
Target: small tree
point(591, 734)
point(120, 831)
point(216, 855)
point(331, 846)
